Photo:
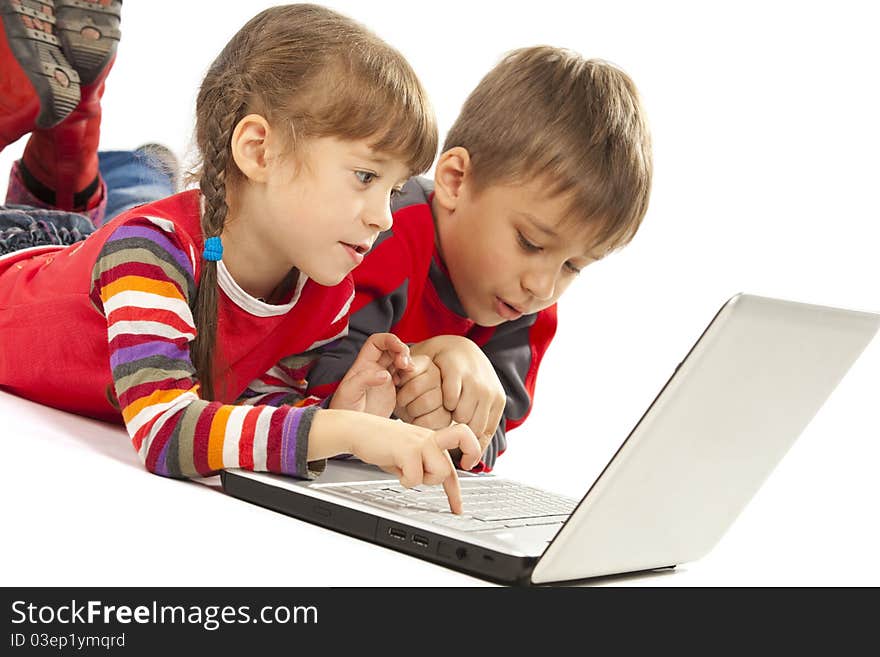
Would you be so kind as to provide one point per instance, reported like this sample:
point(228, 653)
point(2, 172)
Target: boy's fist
point(420, 396)
point(470, 389)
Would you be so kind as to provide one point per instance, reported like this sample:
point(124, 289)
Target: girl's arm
point(143, 284)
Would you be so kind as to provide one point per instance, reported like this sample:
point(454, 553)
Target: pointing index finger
point(453, 492)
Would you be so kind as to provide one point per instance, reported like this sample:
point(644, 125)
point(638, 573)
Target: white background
point(764, 120)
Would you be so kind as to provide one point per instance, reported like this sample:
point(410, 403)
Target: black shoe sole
point(76, 19)
point(55, 81)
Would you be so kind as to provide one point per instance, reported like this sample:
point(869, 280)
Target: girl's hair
point(311, 73)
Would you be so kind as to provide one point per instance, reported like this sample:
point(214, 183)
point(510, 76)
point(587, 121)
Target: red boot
point(60, 164)
point(38, 87)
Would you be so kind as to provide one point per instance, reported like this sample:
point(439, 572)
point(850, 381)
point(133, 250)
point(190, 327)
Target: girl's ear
point(250, 141)
point(450, 174)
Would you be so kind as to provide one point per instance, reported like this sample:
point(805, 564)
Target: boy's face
point(508, 249)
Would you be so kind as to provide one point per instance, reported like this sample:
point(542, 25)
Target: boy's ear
point(451, 171)
point(250, 145)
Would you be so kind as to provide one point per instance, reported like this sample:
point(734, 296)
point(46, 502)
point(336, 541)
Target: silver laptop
point(732, 408)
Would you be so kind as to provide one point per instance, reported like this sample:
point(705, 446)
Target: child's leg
point(130, 178)
point(145, 174)
point(19, 195)
point(60, 164)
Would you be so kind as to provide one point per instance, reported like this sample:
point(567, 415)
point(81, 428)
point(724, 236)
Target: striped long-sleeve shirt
point(136, 298)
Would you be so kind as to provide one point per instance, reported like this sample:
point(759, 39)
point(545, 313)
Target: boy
point(547, 169)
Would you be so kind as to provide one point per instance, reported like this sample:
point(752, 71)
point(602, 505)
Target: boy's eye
point(365, 177)
point(526, 245)
point(572, 269)
point(396, 192)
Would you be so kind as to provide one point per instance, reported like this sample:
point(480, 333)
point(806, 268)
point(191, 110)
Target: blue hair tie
point(213, 249)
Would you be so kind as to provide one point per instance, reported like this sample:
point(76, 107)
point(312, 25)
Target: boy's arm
point(515, 351)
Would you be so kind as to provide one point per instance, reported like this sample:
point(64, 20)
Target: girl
point(194, 319)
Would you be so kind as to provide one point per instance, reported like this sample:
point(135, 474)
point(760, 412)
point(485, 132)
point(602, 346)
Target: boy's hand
point(470, 387)
point(420, 396)
point(369, 385)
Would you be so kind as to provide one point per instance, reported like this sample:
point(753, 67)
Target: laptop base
point(440, 549)
point(444, 550)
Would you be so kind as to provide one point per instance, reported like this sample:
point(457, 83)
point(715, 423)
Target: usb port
point(421, 541)
point(397, 533)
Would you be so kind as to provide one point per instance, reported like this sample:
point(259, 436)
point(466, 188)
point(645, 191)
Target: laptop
point(728, 414)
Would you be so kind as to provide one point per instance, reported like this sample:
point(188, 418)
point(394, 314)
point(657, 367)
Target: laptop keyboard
point(488, 503)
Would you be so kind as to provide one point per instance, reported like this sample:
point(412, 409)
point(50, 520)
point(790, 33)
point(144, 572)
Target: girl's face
point(321, 211)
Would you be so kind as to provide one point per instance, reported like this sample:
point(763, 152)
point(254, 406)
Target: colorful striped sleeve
point(143, 282)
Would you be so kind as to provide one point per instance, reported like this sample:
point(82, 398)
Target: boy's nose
point(540, 284)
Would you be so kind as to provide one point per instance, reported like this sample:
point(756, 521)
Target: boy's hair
point(311, 73)
point(546, 113)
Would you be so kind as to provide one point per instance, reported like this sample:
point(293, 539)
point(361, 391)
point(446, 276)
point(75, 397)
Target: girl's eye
point(365, 177)
point(526, 245)
point(572, 269)
point(396, 192)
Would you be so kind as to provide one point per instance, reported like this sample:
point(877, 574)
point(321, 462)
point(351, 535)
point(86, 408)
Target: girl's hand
point(469, 385)
point(419, 456)
point(420, 396)
point(369, 385)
